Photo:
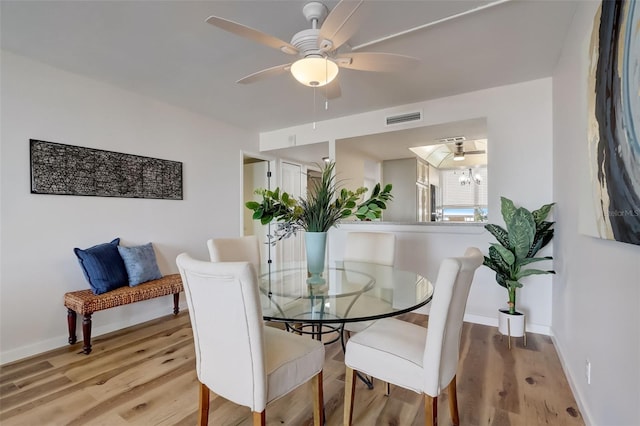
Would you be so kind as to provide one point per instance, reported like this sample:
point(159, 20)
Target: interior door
point(291, 181)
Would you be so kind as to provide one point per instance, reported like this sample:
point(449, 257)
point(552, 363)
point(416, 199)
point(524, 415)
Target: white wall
point(39, 232)
point(402, 174)
point(596, 292)
point(351, 164)
point(519, 124)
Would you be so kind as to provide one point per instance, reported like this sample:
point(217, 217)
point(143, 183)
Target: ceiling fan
point(318, 46)
point(459, 152)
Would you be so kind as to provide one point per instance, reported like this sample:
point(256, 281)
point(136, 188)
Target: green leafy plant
point(527, 232)
point(325, 206)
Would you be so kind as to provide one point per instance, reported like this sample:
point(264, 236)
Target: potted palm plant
point(525, 234)
point(326, 204)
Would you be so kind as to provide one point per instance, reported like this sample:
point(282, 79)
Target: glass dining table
point(351, 292)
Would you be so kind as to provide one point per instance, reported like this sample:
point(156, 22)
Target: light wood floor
point(145, 375)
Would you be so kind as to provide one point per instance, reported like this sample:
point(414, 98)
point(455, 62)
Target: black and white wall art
point(74, 170)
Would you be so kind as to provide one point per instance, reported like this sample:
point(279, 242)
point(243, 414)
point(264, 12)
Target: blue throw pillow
point(140, 263)
point(103, 267)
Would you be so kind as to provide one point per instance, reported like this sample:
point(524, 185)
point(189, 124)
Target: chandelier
point(467, 179)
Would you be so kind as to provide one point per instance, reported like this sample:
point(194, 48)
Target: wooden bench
point(85, 303)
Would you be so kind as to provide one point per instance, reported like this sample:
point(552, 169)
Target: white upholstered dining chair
point(241, 249)
point(237, 356)
point(368, 247)
point(423, 360)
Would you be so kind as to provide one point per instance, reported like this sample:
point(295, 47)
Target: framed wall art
point(614, 123)
point(61, 169)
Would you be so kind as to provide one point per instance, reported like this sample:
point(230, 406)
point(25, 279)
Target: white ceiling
point(164, 49)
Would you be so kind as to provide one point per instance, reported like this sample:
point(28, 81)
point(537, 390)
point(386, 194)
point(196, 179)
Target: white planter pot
point(511, 325)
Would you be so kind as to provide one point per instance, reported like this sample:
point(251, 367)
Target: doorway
point(256, 173)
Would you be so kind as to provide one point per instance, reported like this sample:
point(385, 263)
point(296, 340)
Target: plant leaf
point(505, 254)
point(498, 260)
point(375, 191)
point(502, 279)
point(526, 272)
point(507, 209)
point(266, 219)
point(522, 229)
point(542, 213)
point(528, 260)
point(499, 232)
point(541, 239)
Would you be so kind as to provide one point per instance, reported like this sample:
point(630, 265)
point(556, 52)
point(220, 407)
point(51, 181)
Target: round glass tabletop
point(351, 292)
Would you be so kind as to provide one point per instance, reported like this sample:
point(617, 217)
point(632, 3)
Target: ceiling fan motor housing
point(306, 41)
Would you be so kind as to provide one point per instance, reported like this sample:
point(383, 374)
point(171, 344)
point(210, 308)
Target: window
point(464, 194)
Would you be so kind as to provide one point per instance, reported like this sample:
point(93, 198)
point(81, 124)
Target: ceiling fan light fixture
point(314, 71)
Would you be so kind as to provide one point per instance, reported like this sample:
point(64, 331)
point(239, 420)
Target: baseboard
point(97, 330)
point(493, 322)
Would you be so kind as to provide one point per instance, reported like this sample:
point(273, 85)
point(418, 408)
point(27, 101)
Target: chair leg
point(453, 402)
point(203, 415)
point(430, 410)
point(318, 400)
point(259, 419)
point(349, 392)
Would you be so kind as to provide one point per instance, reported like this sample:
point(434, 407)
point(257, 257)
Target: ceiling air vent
point(452, 139)
point(403, 118)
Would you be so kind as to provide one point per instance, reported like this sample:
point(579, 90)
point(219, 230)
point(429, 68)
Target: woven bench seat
point(85, 303)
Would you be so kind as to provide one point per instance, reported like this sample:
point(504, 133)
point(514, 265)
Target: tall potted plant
point(526, 233)
point(325, 206)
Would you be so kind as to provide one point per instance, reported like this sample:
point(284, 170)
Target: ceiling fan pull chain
point(326, 90)
point(314, 108)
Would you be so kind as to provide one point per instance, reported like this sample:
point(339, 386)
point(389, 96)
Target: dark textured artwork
point(614, 120)
point(74, 170)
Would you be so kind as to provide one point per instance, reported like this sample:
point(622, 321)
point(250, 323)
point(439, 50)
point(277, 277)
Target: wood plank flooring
point(145, 375)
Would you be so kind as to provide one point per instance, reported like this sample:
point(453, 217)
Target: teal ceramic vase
point(316, 246)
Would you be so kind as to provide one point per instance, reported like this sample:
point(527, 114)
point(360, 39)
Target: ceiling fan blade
point(250, 33)
point(341, 23)
point(475, 152)
point(266, 73)
point(374, 61)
